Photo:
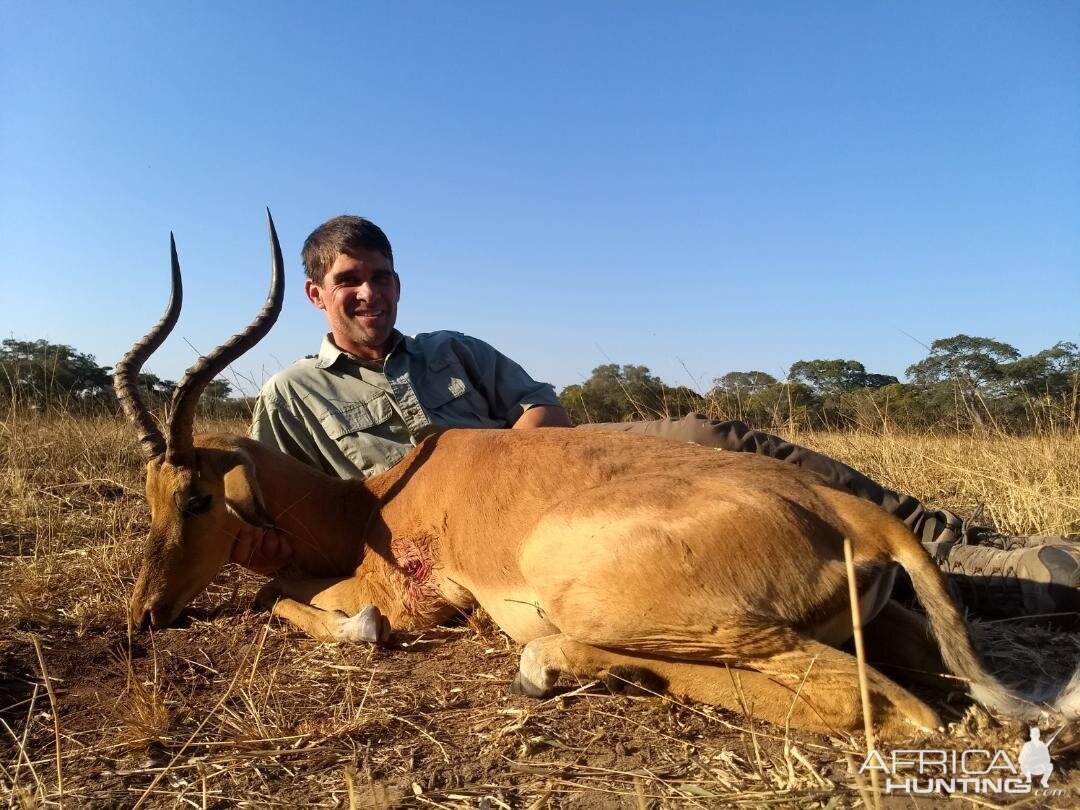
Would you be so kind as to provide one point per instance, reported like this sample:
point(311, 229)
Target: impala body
point(718, 576)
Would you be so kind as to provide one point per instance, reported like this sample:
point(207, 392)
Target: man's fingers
point(275, 549)
point(248, 544)
point(268, 548)
point(241, 550)
point(261, 550)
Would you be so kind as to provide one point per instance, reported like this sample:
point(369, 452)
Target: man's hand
point(263, 551)
point(543, 416)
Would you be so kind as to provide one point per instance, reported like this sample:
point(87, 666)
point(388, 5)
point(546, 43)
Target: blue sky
point(696, 187)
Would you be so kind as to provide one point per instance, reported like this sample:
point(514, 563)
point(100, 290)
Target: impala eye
point(197, 505)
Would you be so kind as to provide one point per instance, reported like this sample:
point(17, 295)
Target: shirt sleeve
point(508, 388)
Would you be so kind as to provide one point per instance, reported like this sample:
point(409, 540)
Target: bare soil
point(233, 709)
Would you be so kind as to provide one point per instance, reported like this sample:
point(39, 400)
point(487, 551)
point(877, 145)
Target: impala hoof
point(535, 678)
point(526, 688)
point(369, 625)
point(266, 596)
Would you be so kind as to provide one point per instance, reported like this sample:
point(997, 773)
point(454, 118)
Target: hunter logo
point(1035, 757)
point(924, 771)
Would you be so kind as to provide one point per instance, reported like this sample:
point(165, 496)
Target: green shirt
point(354, 418)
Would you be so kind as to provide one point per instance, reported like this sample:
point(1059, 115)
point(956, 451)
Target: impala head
point(198, 492)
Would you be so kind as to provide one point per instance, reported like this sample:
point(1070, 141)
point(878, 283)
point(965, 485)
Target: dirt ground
point(233, 709)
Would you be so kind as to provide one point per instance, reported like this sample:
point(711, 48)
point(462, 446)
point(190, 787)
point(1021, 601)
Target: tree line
point(963, 381)
point(39, 375)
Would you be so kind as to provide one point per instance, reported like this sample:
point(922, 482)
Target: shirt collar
point(329, 353)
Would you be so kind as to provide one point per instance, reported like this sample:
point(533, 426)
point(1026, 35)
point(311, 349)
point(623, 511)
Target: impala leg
point(899, 640)
point(330, 593)
point(743, 691)
point(369, 625)
point(828, 679)
point(327, 609)
point(798, 681)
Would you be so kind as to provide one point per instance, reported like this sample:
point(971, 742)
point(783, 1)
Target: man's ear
point(242, 494)
point(314, 293)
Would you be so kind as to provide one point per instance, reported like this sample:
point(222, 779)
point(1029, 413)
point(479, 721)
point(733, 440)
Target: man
point(371, 394)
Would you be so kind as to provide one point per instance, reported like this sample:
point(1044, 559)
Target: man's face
point(359, 294)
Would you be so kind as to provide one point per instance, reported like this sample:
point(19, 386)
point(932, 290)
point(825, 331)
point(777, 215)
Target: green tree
point(831, 377)
point(158, 390)
point(743, 383)
point(874, 381)
point(37, 372)
point(615, 393)
point(730, 394)
point(217, 390)
point(791, 403)
point(974, 366)
point(1051, 372)
point(973, 362)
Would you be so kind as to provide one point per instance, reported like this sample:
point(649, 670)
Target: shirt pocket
point(450, 398)
point(445, 381)
point(366, 435)
point(356, 417)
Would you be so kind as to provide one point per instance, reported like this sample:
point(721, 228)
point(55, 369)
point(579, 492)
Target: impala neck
point(323, 517)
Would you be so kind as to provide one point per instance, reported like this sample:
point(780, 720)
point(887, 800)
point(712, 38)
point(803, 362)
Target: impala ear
point(242, 494)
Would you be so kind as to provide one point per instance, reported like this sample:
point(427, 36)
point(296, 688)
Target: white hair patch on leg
point(369, 625)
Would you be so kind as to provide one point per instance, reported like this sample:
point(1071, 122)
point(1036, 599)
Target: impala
point(715, 576)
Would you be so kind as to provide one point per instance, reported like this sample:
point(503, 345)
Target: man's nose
point(364, 291)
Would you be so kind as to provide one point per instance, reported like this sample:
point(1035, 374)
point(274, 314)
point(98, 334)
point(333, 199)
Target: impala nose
point(141, 620)
point(145, 618)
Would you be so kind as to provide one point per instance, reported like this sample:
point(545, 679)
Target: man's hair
point(344, 234)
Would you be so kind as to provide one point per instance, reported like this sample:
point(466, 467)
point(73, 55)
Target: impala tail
point(954, 641)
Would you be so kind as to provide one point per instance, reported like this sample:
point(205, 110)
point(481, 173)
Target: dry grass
point(1019, 484)
point(233, 709)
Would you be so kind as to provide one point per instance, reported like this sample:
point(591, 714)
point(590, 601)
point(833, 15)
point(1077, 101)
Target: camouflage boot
point(1005, 576)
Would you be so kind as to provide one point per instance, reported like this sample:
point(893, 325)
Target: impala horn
point(126, 376)
point(195, 380)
